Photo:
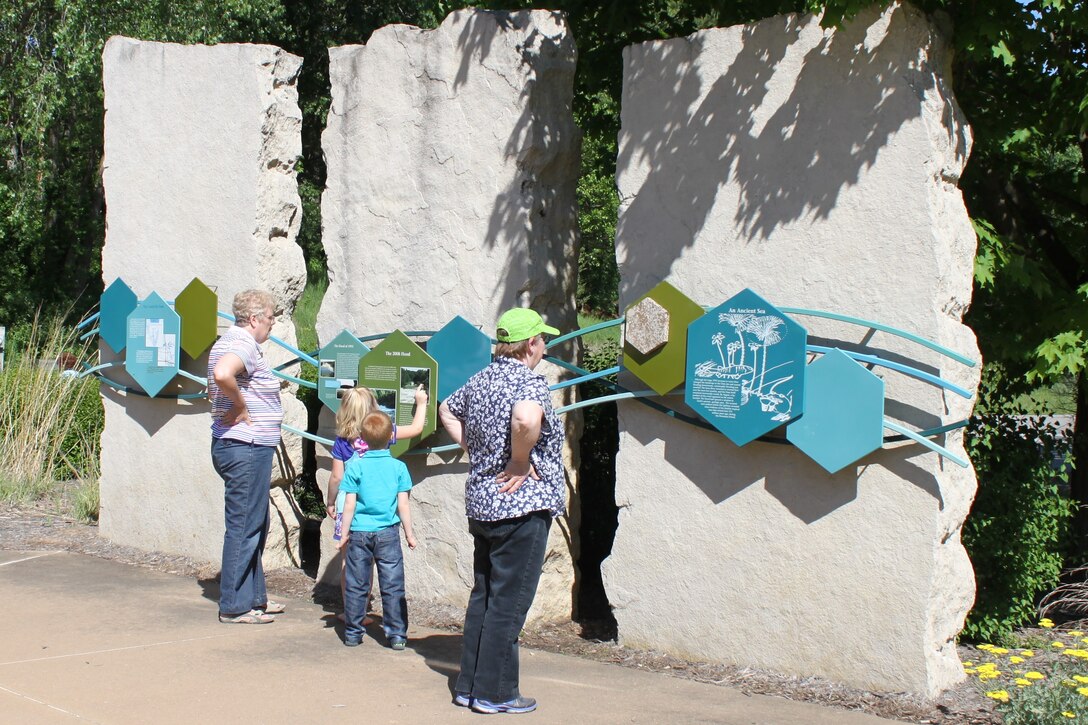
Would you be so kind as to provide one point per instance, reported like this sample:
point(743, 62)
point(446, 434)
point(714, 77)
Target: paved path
point(85, 640)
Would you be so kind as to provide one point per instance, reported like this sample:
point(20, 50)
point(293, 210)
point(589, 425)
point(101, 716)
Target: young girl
point(356, 405)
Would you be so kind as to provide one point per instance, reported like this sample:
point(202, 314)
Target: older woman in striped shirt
point(246, 416)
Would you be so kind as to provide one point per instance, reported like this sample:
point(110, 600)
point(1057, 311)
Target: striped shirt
point(260, 390)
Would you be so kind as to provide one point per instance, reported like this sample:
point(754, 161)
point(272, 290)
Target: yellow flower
point(1045, 623)
point(1022, 682)
point(1075, 633)
point(1035, 676)
point(969, 670)
point(968, 664)
point(999, 695)
point(1028, 653)
point(1081, 679)
point(999, 651)
point(1016, 660)
point(1082, 691)
point(1068, 714)
point(1082, 653)
point(1084, 639)
point(1057, 644)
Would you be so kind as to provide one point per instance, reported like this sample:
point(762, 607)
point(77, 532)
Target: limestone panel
point(200, 151)
point(818, 168)
point(452, 165)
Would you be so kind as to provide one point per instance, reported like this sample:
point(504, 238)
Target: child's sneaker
point(398, 643)
point(518, 704)
point(352, 641)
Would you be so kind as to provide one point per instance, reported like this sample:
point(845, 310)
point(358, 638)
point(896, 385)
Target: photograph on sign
point(387, 402)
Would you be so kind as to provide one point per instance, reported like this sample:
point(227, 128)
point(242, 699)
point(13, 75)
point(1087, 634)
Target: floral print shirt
point(484, 405)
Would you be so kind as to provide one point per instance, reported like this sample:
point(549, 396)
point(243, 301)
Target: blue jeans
point(246, 470)
point(507, 558)
point(366, 548)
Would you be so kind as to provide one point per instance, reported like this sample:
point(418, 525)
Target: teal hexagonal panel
point(152, 355)
point(339, 369)
point(197, 305)
point(745, 367)
point(461, 350)
point(114, 306)
point(844, 412)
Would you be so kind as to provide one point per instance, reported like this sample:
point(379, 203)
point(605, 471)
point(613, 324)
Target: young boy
point(376, 503)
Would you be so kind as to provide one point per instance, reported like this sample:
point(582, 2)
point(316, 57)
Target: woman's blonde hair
point(251, 303)
point(355, 405)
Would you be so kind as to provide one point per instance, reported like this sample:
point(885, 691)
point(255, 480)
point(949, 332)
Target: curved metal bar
point(85, 335)
point(96, 368)
point(88, 320)
point(304, 434)
point(133, 391)
point(566, 365)
point(930, 432)
point(289, 348)
point(898, 367)
point(194, 378)
point(585, 331)
point(293, 379)
point(918, 438)
point(585, 378)
point(884, 328)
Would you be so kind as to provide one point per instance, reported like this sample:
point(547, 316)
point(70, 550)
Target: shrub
point(1018, 528)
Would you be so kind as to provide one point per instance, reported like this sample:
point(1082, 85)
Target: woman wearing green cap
point(516, 485)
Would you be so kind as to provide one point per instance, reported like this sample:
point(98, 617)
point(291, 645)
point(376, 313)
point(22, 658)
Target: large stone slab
point(200, 149)
point(452, 164)
point(819, 169)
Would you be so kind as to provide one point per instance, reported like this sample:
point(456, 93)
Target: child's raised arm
point(418, 419)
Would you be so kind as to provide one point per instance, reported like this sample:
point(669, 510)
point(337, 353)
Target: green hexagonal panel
point(746, 367)
point(392, 370)
point(663, 369)
point(152, 355)
point(844, 412)
point(114, 306)
point(461, 350)
point(197, 305)
point(339, 369)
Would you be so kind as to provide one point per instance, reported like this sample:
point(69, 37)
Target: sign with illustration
point(393, 371)
point(152, 352)
point(339, 370)
point(745, 367)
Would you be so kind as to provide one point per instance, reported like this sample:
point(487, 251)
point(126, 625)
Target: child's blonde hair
point(355, 406)
point(377, 430)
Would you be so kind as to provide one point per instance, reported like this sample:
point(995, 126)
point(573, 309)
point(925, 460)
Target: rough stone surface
point(818, 168)
point(452, 164)
point(200, 148)
point(646, 326)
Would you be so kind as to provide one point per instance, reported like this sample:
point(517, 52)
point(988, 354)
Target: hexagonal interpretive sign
point(844, 412)
point(664, 335)
point(197, 305)
point(152, 355)
point(746, 367)
point(339, 368)
point(461, 350)
point(113, 308)
point(393, 370)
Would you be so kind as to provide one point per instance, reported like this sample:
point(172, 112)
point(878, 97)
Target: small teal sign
point(745, 367)
point(461, 350)
point(152, 347)
point(339, 369)
point(114, 306)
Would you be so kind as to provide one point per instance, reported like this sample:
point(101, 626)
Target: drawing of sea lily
point(767, 330)
point(717, 339)
point(739, 322)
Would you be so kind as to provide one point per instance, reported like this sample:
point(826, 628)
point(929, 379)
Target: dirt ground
point(30, 528)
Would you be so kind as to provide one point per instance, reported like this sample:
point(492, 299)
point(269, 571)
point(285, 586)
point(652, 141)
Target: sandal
point(271, 607)
point(253, 616)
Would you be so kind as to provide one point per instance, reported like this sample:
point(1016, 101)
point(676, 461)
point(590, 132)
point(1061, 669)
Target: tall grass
point(50, 423)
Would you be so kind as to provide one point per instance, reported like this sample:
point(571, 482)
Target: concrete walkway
point(85, 640)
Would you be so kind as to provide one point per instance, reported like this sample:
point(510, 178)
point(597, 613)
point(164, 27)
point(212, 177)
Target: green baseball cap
point(519, 324)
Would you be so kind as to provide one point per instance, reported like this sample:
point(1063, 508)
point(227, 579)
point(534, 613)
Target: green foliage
point(1018, 530)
